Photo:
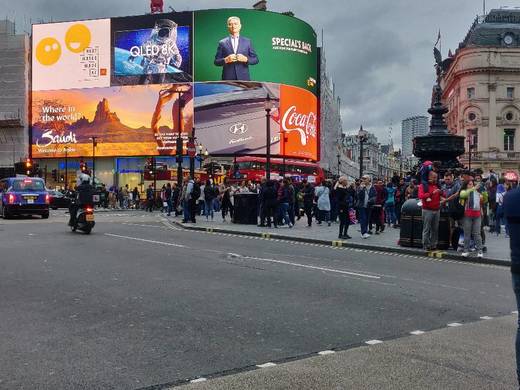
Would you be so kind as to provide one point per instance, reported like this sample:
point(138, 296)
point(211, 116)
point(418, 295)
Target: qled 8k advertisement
point(248, 45)
point(152, 49)
point(71, 55)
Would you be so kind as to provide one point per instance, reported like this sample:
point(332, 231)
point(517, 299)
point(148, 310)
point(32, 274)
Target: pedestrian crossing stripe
point(337, 243)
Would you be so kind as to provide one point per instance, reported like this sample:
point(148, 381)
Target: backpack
point(195, 192)
point(456, 209)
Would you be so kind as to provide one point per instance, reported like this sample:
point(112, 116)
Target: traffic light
point(28, 166)
point(83, 167)
point(54, 174)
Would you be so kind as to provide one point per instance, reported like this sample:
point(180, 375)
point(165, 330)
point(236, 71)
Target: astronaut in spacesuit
point(159, 51)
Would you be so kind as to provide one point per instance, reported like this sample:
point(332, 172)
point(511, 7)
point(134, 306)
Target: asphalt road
point(138, 303)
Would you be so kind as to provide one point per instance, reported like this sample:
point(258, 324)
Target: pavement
point(474, 356)
point(497, 246)
point(144, 304)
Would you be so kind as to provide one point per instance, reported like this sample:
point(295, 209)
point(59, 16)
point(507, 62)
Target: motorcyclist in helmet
point(84, 192)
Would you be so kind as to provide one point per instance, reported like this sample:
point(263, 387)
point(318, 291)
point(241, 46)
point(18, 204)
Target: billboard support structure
point(268, 107)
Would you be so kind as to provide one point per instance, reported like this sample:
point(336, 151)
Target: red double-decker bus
point(253, 168)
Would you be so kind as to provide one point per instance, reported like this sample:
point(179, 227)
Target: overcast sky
point(379, 52)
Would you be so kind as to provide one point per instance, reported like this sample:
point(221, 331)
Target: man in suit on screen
point(235, 53)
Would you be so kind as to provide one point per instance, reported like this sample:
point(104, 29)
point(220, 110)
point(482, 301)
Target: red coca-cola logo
point(305, 124)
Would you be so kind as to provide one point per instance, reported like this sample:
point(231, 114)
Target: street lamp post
point(191, 144)
point(94, 144)
point(179, 143)
point(66, 169)
point(268, 105)
point(362, 135)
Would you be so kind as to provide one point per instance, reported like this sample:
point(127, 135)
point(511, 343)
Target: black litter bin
point(246, 209)
point(412, 226)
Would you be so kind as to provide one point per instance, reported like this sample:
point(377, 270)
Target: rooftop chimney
point(260, 5)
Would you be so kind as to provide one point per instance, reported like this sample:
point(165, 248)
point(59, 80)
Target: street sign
point(191, 149)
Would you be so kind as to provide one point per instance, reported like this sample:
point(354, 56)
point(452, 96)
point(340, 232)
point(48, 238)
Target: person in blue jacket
point(512, 214)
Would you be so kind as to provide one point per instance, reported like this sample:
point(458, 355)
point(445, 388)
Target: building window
point(471, 93)
point(509, 116)
point(473, 138)
point(472, 116)
point(509, 140)
point(510, 93)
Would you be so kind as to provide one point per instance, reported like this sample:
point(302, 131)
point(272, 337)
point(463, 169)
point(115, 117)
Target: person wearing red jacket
point(431, 197)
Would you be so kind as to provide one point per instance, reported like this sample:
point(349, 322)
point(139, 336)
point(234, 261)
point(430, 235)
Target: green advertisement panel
point(250, 45)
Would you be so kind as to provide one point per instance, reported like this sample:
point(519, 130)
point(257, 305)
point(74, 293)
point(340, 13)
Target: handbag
point(165, 204)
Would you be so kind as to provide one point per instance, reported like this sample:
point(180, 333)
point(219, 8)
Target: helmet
point(84, 178)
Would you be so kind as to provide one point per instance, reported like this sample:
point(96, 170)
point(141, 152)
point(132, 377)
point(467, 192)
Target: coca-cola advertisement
point(298, 123)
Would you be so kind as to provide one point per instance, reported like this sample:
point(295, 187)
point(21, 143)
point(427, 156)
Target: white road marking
point(198, 380)
point(417, 332)
point(486, 318)
point(327, 352)
point(373, 342)
point(143, 240)
point(514, 312)
point(306, 266)
point(454, 324)
point(138, 224)
point(266, 365)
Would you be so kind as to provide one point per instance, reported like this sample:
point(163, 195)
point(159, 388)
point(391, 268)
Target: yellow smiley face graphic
point(77, 38)
point(48, 51)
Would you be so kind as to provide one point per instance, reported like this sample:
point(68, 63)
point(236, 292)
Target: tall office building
point(411, 128)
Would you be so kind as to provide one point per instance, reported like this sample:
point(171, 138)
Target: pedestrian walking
point(284, 195)
point(150, 198)
point(473, 200)
point(512, 215)
point(168, 198)
point(270, 203)
point(431, 203)
point(308, 201)
point(210, 193)
point(345, 199)
point(322, 193)
point(366, 197)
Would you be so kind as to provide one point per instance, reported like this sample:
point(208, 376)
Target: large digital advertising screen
point(71, 55)
point(152, 49)
point(121, 80)
point(239, 44)
point(126, 121)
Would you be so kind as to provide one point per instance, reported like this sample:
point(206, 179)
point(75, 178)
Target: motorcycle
point(84, 219)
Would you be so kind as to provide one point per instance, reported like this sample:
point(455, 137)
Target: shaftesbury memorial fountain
point(438, 145)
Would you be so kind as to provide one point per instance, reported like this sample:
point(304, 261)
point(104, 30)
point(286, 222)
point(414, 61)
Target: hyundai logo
point(238, 128)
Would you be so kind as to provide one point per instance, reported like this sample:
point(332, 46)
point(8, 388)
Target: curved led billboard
point(239, 44)
point(135, 83)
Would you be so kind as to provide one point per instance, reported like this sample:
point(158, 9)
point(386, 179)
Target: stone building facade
point(481, 87)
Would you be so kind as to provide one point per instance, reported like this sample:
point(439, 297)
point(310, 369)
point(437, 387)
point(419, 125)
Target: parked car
point(58, 200)
point(23, 196)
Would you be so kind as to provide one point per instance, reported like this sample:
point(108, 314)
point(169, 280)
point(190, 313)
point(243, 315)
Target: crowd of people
point(470, 199)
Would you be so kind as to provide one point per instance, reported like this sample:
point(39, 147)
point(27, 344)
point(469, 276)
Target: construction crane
point(156, 6)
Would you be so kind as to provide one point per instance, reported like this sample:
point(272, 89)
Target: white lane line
point(198, 380)
point(143, 240)
point(266, 365)
point(373, 342)
point(234, 255)
point(327, 352)
point(138, 224)
point(486, 318)
point(454, 324)
point(417, 332)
